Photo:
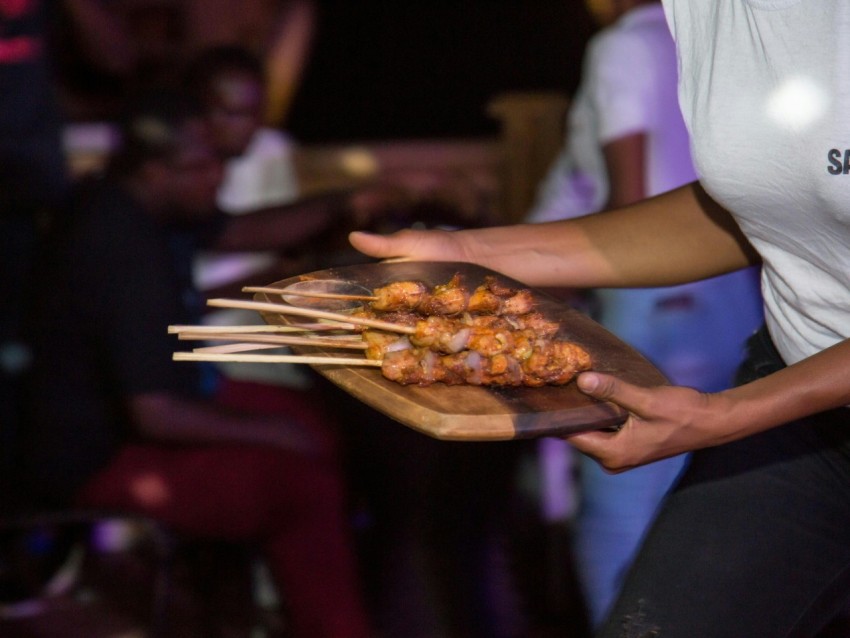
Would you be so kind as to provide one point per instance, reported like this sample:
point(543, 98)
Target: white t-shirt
point(765, 91)
point(628, 86)
point(263, 176)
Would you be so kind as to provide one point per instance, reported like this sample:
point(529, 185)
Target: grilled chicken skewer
point(551, 363)
point(450, 298)
point(465, 348)
point(485, 334)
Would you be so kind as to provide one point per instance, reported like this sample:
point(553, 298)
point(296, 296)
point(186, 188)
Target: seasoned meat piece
point(484, 300)
point(417, 366)
point(490, 341)
point(555, 362)
point(379, 343)
point(542, 326)
point(467, 367)
point(448, 299)
point(491, 297)
point(399, 295)
point(435, 332)
point(519, 303)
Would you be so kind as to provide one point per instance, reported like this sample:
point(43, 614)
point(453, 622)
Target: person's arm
point(625, 160)
point(676, 237)
point(291, 225)
point(165, 417)
point(285, 226)
point(625, 164)
point(666, 421)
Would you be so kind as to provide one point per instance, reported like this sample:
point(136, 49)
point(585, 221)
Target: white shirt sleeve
point(263, 176)
point(622, 85)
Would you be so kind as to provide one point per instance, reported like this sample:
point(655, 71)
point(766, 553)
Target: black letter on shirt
point(834, 157)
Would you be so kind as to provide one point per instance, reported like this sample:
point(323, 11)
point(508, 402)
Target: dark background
point(412, 68)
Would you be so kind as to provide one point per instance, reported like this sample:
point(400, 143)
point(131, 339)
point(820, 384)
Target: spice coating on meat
point(451, 298)
point(550, 363)
point(447, 299)
point(399, 295)
point(491, 337)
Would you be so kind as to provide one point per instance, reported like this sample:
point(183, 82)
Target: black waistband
point(762, 358)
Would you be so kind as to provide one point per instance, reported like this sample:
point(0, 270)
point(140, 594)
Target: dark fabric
point(113, 281)
point(754, 541)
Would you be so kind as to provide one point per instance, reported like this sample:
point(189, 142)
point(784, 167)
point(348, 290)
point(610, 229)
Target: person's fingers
point(660, 423)
point(378, 245)
point(598, 444)
point(431, 245)
point(608, 388)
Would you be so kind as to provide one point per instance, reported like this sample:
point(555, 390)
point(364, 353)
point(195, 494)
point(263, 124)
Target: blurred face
point(235, 111)
point(194, 174)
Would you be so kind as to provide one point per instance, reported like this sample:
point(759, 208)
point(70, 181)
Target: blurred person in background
point(116, 424)
point(279, 33)
point(229, 85)
point(626, 140)
point(260, 178)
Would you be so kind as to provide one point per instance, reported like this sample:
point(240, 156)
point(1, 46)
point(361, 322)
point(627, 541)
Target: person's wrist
point(728, 416)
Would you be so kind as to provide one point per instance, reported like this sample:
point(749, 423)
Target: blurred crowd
point(367, 528)
point(364, 527)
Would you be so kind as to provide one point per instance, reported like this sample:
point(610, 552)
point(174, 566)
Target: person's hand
point(412, 245)
point(663, 421)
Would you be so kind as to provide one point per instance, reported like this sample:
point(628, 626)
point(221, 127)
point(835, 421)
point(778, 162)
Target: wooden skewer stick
point(307, 293)
point(235, 347)
point(330, 342)
point(250, 329)
point(285, 309)
point(323, 327)
point(275, 358)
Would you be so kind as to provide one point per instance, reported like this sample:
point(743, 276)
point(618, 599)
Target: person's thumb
point(382, 246)
point(608, 388)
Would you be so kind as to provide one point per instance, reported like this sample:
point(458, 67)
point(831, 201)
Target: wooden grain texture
point(473, 413)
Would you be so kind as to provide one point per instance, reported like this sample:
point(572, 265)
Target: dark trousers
point(754, 542)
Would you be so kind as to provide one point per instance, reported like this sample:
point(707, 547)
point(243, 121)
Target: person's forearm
point(625, 163)
point(818, 383)
point(673, 238)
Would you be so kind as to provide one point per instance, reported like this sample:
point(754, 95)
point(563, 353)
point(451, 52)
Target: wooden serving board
point(465, 412)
